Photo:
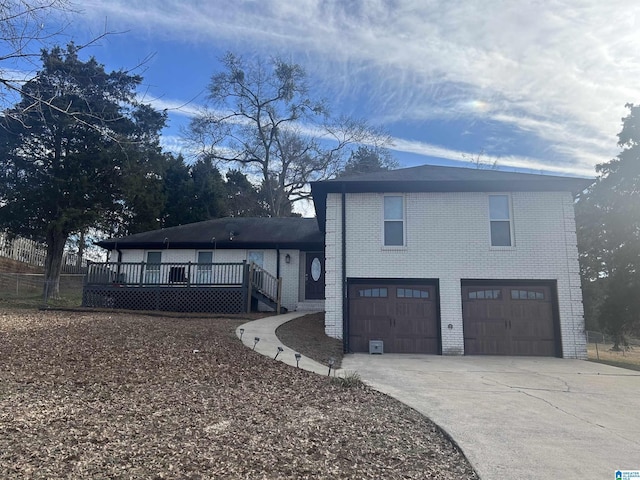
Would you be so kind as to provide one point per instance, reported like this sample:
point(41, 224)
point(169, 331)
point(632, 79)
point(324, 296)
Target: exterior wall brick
point(448, 238)
point(333, 267)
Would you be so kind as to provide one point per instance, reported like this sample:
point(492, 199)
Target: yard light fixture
point(298, 356)
point(331, 363)
point(241, 333)
point(280, 349)
point(255, 342)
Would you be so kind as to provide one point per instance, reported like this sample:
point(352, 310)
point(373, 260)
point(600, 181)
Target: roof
point(229, 233)
point(431, 178)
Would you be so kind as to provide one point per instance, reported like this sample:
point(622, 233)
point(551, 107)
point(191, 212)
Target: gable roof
point(431, 178)
point(228, 233)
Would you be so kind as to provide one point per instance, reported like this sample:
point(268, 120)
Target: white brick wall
point(333, 268)
point(288, 271)
point(448, 238)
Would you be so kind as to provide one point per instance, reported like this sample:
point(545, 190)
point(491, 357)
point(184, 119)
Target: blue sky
point(531, 84)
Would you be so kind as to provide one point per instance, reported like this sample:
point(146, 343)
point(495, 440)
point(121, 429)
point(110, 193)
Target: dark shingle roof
point(248, 232)
point(431, 178)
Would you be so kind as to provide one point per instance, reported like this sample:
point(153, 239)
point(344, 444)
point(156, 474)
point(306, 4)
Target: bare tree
point(24, 31)
point(262, 118)
point(481, 161)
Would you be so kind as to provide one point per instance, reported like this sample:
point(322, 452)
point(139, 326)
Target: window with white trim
point(152, 268)
point(500, 220)
point(393, 221)
point(204, 267)
point(256, 257)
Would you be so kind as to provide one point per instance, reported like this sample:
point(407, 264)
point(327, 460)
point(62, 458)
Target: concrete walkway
point(265, 330)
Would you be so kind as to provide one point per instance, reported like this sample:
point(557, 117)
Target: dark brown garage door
point(508, 320)
point(404, 317)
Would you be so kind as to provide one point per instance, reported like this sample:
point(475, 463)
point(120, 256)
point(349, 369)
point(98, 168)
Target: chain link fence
point(600, 347)
point(605, 339)
point(28, 288)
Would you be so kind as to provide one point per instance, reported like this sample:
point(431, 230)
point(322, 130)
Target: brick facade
point(448, 239)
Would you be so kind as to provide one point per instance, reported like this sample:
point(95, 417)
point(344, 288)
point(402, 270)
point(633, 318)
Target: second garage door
point(404, 317)
point(508, 320)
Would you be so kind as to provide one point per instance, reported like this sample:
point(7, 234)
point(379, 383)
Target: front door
point(314, 276)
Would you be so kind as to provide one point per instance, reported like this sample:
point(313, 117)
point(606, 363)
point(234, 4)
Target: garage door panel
point(371, 308)
point(407, 315)
point(485, 346)
point(526, 347)
point(508, 320)
point(407, 344)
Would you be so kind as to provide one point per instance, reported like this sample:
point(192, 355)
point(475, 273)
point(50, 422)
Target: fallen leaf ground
point(306, 335)
point(98, 395)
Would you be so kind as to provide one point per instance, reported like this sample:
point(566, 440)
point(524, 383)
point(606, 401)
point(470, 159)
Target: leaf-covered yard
point(96, 395)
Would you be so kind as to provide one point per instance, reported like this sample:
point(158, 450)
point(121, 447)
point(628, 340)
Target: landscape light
point(331, 363)
point(241, 333)
point(298, 356)
point(280, 349)
point(255, 342)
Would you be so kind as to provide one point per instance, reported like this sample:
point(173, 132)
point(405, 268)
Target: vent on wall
point(376, 347)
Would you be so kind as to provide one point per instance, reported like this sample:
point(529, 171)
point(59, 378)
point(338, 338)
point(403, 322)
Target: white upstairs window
point(393, 221)
point(500, 221)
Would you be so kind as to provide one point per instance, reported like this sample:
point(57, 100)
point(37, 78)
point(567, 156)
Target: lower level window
point(372, 292)
point(412, 293)
point(484, 294)
point(527, 295)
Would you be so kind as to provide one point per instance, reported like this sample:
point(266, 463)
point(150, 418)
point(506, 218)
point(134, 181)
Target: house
point(427, 259)
point(453, 261)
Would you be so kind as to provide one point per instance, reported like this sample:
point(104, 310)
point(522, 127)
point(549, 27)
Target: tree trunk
point(56, 241)
point(618, 342)
point(81, 247)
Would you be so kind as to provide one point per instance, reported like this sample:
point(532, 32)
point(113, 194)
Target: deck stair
point(265, 288)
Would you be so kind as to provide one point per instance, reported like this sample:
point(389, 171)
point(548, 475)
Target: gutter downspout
point(345, 307)
point(277, 261)
point(119, 260)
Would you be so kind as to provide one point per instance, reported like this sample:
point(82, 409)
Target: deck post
point(189, 275)
point(249, 271)
point(141, 273)
point(279, 296)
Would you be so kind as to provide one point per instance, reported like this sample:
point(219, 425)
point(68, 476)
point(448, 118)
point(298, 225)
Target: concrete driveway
point(520, 418)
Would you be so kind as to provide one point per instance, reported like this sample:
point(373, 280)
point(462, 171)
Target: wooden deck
point(181, 287)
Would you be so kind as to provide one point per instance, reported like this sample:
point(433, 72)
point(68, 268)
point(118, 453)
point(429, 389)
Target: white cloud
point(561, 70)
point(502, 162)
point(177, 144)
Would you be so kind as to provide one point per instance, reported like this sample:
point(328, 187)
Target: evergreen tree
point(366, 160)
point(69, 148)
point(608, 220)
